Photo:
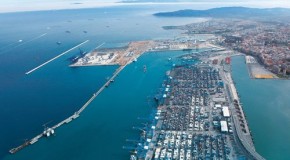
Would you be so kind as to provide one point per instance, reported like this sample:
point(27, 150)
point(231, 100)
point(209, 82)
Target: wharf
point(242, 131)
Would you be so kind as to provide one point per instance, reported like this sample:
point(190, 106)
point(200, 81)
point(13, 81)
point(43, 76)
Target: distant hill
point(137, 1)
point(228, 12)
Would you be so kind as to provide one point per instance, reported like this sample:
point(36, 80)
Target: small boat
point(20, 40)
point(144, 68)
point(133, 157)
point(85, 32)
point(67, 31)
point(58, 43)
point(135, 60)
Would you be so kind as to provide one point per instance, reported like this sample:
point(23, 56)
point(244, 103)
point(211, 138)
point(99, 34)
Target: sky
point(33, 5)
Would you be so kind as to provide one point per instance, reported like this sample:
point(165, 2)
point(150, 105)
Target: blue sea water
point(56, 91)
point(266, 104)
point(102, 129)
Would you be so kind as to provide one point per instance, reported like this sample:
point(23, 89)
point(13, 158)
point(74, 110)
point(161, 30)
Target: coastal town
point(268, 42)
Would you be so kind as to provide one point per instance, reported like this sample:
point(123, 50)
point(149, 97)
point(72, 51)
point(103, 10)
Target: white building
point(224, 126)
point(226, 112)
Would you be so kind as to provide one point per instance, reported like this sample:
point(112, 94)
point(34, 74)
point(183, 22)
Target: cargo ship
point(75, 58)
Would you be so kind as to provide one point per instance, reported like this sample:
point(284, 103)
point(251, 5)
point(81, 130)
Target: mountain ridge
point(231, 12)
